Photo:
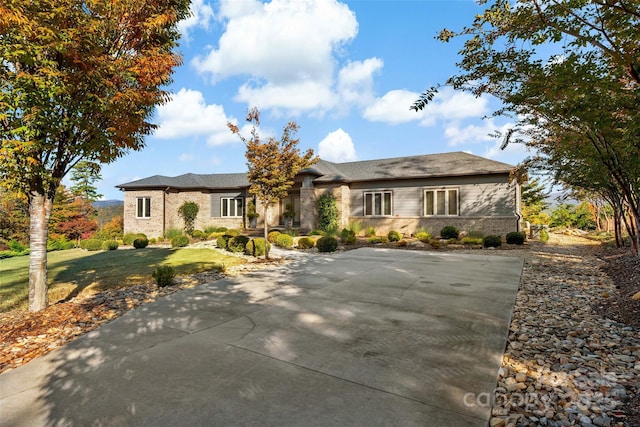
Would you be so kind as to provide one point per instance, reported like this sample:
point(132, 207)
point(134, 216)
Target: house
point(403, 194)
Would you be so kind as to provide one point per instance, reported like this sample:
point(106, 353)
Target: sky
point(345, 71)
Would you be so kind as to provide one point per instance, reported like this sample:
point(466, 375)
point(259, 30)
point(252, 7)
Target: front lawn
point(74, 271)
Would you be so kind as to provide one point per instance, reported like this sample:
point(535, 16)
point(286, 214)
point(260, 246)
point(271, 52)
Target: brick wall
point(408, 225)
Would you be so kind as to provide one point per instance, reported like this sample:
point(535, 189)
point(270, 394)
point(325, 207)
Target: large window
point(377, 203)
point(441, 202)
point(231, 207)
point(143, 207)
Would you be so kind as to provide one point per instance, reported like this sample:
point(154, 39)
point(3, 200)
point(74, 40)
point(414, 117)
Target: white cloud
point(393, 108)
point(285, 48)
point(448, 105)
point(337, 146)
point(186, 157)
point(201, 16)
point(187, 114)
point(457, 135)
point(355, 81)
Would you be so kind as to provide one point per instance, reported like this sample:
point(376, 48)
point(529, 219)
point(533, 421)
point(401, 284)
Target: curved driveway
point(373, 337)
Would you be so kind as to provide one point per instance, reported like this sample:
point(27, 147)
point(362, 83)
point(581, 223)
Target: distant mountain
point(107, 203)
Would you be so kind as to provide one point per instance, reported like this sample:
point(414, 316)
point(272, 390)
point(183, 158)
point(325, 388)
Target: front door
point(293, 202)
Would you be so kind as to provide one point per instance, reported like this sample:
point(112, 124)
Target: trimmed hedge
point(130, 237)
point(306, 243)
point(284, 240)
point(91, 244)
point(141, 243)
point(109, 245)
point(327, 244)
point(423, 236)
point(256, 247)
point(179, 241)
point(223, 241)
point(515, 238)
point(271, 237)
point(237, 244)
point(492, 241)
point(449, 232)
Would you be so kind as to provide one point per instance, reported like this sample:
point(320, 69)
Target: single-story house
point(406, 193)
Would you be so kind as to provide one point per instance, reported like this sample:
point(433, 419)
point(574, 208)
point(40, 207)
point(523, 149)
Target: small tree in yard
point(188, 212)
point(272, 164)
point(79, 80)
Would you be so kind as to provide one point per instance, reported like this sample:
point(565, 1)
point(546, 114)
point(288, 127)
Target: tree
point(188, 211)
point(84, 174)
point(568, 72)
point(534, 202)
point(14, 218)
point(72, 216)
point(79, 80)
point(273, 164)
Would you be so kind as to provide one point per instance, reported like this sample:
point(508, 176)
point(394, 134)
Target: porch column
point(307, 208)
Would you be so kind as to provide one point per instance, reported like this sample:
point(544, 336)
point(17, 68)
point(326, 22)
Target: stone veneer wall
point(343, 200)
point(408, 225)
point(164, 212)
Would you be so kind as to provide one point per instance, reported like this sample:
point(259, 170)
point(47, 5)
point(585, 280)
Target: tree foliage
point(73, 217)
point(273, 164)
point(568, 72)
point(79, 80)
point(84, 174)
point(328, 213)
point(534, 202)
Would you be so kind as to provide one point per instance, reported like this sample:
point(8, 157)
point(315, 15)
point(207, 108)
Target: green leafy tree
point(273, 164)
point(328, 213)
point(79, 80)
point(188, 211)
point(14, 218)
point(534, 202)
point(568, 72)
point(84, 174)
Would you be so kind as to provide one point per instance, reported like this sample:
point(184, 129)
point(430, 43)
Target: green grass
point(74, 271)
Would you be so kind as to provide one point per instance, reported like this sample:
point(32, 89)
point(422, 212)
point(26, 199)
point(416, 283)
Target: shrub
point(515, 238)
point(348, 237)
point(214, 235)
point(544, 235)
point(237, 244)
point(449, 232)
point(130, 237)
point(59, 243)
point(91, 244)
point(179, 241)
point(198, 234)
point(472, 240)
point(233, 232)
point(370, 232)
point(188, 212)
point(109, 245)
point(403, 243)
point(141, 243)
point(164, 275)
point(214, 229)
point(492, 241)
point(435, 243)
point(223, 240)
point(16, 246)
point(170, 233)
point(306, 243)
point(423, 236)
point(271, 237)
point(377, 239)
point(475, 234)
point(355, 226)
point(394, 236)
point(152, 240)
point(316, 233)
point(284, 240)
point(327, 244)
point(255, 247)
point(291, 232)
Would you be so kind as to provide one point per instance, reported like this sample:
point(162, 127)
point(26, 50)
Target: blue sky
point(345, 71)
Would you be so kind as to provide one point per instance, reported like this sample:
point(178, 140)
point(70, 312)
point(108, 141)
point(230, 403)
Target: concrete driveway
point(369, 337)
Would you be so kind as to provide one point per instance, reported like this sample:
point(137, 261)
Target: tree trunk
point(39, 212)
point(265, 207)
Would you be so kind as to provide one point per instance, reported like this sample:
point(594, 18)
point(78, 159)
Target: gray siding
point(215, 200)
point(478, 196)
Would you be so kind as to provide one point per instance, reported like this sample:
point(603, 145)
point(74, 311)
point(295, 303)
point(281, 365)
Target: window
point(378, 203)
point(231, 207)
point(143, 207)
point(441, 202)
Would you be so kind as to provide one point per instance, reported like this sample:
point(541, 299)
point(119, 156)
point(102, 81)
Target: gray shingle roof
point(430, 165)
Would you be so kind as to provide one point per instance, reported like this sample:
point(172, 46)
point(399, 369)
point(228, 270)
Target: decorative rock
point(521, 377)
point(497, 422)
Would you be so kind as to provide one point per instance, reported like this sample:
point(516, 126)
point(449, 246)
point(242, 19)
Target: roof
point(426, 166)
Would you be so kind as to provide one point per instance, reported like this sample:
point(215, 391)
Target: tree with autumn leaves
point(568, 73)
point(273, 164)
point(79, 80)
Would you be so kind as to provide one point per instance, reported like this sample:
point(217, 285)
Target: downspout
point(518, 206)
